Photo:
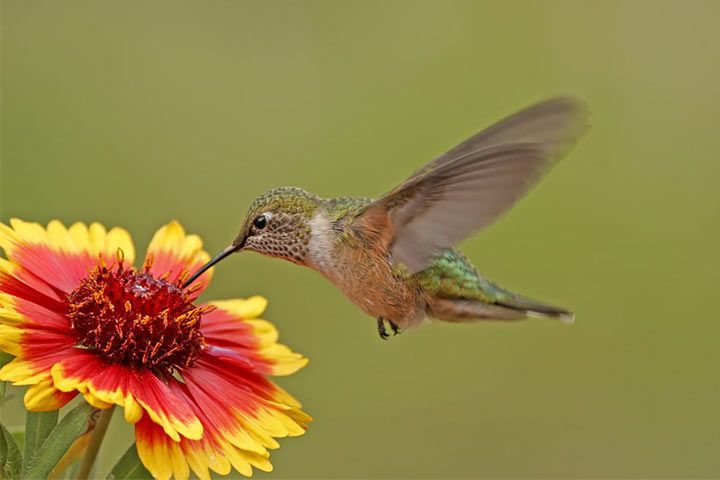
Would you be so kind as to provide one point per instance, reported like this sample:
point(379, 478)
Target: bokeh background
point(133, 113)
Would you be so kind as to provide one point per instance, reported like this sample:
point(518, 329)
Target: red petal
point(174, 253)
point(235, 339)
point(38, 315)
point(112, 383)
point(239, 418)
point(32, 290)
point(61, 270)
point(232, 340)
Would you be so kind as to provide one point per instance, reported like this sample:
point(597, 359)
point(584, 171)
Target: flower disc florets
point(132, 318)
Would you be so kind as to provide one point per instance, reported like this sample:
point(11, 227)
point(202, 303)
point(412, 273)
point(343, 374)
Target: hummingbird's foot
point(395, 328)
point(382, 331)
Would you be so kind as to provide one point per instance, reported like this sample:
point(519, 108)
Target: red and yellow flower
point(192, 378)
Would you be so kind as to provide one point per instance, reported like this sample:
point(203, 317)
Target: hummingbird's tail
point(514, 307)
point(455, 292)
point(535, 309)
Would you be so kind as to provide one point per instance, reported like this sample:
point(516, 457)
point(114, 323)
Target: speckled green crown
point(292, 200)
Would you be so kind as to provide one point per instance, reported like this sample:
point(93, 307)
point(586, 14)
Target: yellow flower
point(192, 378)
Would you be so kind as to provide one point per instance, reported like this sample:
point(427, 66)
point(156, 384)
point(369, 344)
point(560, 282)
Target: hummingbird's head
point(278, 224)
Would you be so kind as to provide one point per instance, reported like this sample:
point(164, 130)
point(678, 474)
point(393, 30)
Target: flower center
point(134, 319)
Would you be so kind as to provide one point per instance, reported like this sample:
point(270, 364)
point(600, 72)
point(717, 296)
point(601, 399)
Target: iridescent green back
point(340, 207)
point(451, 275)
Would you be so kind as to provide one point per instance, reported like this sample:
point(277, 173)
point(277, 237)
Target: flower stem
point(94, 446)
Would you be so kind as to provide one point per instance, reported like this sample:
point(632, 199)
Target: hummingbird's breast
point(363, 271)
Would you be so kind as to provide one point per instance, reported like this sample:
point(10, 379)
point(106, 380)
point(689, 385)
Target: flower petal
point(21, 372)
point(251, 307)
point(18, 282)
point(10, 339)
point(173, 253)
point(248, 395)
point(30, 310)
point(240, 412)
point(60, 257)
point(37, 349)
point(161, 456)
point(234, 337)
point(140, 391)
point(44, 397)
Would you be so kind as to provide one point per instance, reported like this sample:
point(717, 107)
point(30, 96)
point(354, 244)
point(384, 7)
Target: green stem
point(94, 446)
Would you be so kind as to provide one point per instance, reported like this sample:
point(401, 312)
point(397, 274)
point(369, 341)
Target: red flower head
point(192, 378)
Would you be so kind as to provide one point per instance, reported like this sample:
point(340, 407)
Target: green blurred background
point(133, 113)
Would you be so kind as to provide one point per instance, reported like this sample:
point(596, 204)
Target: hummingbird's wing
point(471, 185)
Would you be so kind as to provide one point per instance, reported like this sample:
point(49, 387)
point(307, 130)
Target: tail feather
point(535, 309)
point(517, 308)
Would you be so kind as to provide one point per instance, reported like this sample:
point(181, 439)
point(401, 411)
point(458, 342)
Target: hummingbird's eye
point(260, 222)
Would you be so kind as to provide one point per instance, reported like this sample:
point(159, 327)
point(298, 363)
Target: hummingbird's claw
point(382, 331)
point(395, 328)
point(381, 328)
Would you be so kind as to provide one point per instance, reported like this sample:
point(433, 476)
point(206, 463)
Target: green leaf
point(10, 456)
point(18, 434)
point(4, 359)
point(3, 453)
point(129, 467)
point(38, 426)
point(58, 442)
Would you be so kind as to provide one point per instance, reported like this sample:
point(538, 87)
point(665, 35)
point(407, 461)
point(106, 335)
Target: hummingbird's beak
point(223, 253)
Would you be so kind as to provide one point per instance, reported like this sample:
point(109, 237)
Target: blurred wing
point(470, 186)
point(553, 125)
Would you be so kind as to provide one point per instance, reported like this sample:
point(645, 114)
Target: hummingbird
point(395, 257)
